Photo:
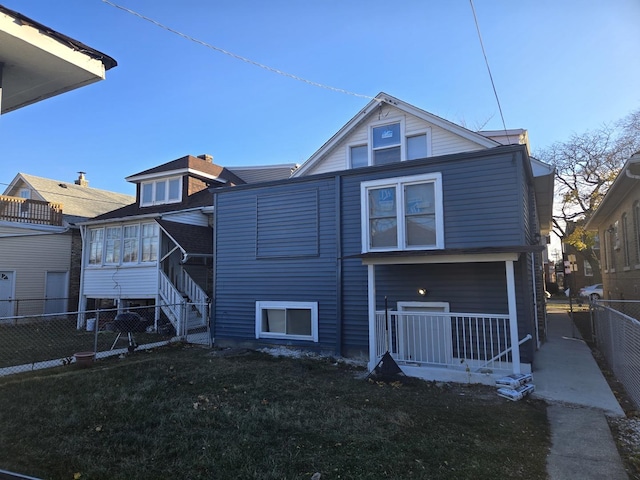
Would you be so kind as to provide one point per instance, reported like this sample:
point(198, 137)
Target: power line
point(495, 93)
point(237, 57)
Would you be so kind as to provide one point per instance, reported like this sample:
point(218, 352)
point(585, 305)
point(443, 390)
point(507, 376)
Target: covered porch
point(443, 336)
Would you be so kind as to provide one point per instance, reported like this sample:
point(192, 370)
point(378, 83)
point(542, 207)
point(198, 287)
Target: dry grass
point(182, 412)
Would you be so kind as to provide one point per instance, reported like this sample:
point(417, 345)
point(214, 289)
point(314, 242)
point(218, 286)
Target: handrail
point(173, 302)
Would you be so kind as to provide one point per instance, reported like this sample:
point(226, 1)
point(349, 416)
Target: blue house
point(403, 233)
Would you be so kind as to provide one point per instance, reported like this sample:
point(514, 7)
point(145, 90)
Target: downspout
point(212, 308)
point(338, 229)
point(82, 304)
point(535, 297)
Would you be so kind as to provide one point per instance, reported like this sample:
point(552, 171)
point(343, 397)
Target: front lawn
point(187, 413)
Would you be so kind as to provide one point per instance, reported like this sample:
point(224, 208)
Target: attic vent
point(62, 185)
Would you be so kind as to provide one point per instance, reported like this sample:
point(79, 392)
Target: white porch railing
point(472, 342)
point(172, 303)
point(195, 294)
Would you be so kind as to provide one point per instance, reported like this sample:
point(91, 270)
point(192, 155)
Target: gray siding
point(287, 273)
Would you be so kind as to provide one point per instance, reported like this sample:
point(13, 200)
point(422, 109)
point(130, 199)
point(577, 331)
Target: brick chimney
point(206, 157)
point(82, 181)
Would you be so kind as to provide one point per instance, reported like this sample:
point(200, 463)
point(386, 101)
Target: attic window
point(160, 192)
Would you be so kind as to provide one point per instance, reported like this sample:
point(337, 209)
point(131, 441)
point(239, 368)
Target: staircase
point(188, 311)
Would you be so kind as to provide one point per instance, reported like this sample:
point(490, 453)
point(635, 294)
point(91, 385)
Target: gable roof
point(264, 173)
point(78, 202)
point(369, 109)
point(189, 165)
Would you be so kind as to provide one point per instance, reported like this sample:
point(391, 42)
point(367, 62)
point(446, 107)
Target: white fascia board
point(173, 173)
point(132, 218)
point(34, 227)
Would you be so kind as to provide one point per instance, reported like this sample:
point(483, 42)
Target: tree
point(586, 166)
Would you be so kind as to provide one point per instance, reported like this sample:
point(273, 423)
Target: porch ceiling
point(450, 255)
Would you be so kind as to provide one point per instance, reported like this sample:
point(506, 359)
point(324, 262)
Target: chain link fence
point(616, 325)
point(32, 342)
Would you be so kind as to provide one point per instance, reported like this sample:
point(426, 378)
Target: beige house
point(40, 246)
point(617, 221)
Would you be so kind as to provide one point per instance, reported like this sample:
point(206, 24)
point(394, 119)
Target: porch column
point(513, 316)
point(371, 302)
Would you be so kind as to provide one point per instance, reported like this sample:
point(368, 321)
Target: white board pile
point(515, 387)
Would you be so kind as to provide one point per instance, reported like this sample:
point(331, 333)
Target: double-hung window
point(386, 144)
point(131, 244)
point(149, 242)
point(159, 192)
point(402, 213)
point(96, 242)
point(287, 320)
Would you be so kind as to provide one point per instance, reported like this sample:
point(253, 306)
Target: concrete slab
point(582, 446)
point(565, 371)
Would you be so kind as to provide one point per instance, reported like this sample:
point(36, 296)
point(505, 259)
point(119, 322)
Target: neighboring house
point(404, 232)
point(36, 62)
point(158, 251)
point(617, 221)
point(40, 246)
point(585, 271)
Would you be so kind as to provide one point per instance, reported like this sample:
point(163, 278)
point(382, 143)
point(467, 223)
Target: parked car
point(592, 292)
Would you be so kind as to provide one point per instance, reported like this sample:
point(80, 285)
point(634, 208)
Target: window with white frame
point(402, 213)
point(131, 244)
point(386, 144)
point(625, 241)
point(588, 270)
point(636, 230)
point(417, 146)
point(159, 192)
point(112, 245)
point(134, 243)
point(149, 242)
point(287, 320)
point(358, 156)
point(96, 242)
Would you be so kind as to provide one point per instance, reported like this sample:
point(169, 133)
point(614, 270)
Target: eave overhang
point(37, 63)
point(449, 255)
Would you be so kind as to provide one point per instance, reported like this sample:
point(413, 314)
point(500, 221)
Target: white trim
point(409, 260)
point(398, 183)
point(406, 306)
point(513, 316)
point(172, 173)
point(417, 133)
point(348, 147)
point(284, 305)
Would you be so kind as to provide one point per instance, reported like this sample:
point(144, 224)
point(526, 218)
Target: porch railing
point(25, 210)
point(475, 342)
point(196, 295)
point(172, 303)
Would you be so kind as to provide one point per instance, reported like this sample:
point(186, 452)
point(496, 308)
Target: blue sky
point(559, 67)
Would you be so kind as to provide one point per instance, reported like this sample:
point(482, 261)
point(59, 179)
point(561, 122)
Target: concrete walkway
point(568, 378)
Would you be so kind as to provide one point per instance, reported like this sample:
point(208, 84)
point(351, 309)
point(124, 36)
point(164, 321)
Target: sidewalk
point(569, 379)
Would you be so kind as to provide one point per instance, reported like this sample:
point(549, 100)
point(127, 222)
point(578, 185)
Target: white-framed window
point(113, 242)
point(588, 270)
point(386, 143)
point(636, 231)
point(159, 192)
point(403, 213)
point(149, 242)
point(418, 146)
point(130, 244)
point(287, 320)
point(625, 241)
point(96, 242)
point(358, 156)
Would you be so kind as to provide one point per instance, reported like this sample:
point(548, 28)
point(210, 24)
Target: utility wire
point(495, 93)
point(237, 57)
